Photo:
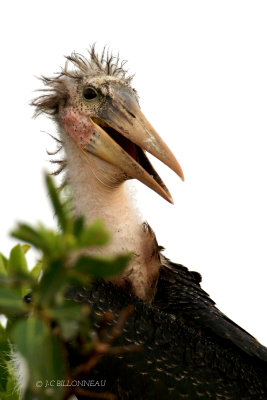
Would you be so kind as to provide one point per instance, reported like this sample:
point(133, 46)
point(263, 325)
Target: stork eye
point(89, 93)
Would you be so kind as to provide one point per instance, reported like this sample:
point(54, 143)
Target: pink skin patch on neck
point(77, 126)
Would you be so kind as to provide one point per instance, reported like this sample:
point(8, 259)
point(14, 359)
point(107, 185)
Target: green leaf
point(15, 281)
point(47, 240)
point(52, 283)
point(94, 235)
point(36, 271)
point(27, 234)
point(18, 269)
point(3, 265)
point(57, 205)
point(52, 242)
point(78, 279)
point(43, 353)
point(4, 259)
point(67, 310)
point(78, 225)
point(17, 261)
point(25, 248)
point(11, 302)
point(101, 266)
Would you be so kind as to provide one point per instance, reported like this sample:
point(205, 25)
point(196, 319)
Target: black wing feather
point(179, 293)
point(190, 350)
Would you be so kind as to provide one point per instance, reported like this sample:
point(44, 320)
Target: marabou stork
point(190, 349)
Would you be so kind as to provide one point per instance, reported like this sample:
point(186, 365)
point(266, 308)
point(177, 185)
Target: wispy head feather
point(56, 92)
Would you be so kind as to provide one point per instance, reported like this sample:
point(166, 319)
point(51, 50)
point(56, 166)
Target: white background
point(201, 73)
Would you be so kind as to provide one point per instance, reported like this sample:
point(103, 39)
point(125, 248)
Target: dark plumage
point(190, 349)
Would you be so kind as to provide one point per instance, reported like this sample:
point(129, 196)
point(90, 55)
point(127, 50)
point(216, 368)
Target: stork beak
point(121, 136)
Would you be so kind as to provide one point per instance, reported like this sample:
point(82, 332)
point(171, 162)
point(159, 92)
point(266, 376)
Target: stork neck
point(96, 195)
point(94, 199)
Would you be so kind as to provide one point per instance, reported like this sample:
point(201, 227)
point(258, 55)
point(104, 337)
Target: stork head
point(96, 106)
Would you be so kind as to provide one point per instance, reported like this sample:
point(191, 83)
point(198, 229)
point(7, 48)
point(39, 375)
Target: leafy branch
point(46, 325)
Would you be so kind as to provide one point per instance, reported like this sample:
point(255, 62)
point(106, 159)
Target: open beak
point(121, 136)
